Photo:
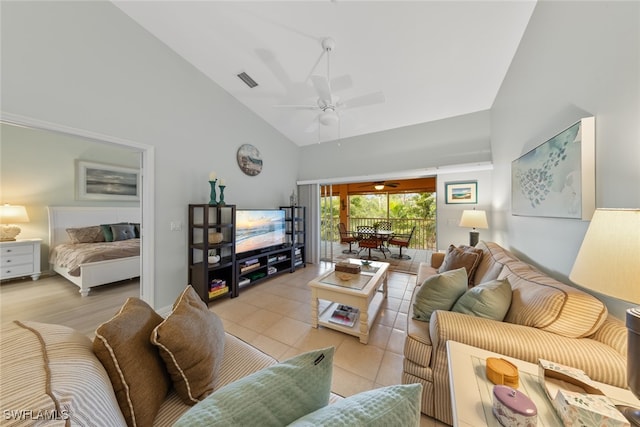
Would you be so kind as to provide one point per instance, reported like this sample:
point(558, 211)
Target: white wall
point(449, 215)
point(86, 65)
point(576, 59)
point(457, 140)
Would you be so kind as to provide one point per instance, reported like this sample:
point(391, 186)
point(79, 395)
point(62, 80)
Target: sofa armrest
point(598, 360)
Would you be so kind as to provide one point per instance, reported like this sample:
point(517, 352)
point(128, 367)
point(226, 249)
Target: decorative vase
point(222, 187)
point(212, 197)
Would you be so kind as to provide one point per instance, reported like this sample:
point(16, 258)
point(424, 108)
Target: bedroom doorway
point(145, 156)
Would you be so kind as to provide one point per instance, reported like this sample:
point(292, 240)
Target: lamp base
point(631, 414)
point(8, 233)
point(474, 237)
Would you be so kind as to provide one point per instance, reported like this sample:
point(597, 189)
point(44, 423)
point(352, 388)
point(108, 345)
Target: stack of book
point(249, 265)
point(344, 315)
point(217, 287)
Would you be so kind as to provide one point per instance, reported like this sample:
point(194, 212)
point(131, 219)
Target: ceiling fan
point(328, 104)
point(379, 185)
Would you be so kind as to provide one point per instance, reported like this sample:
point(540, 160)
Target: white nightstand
point(20, 258)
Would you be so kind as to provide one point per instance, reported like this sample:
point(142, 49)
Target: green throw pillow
point(274, 396)
point(439, 292)
point(396, 405)
point(490, 300)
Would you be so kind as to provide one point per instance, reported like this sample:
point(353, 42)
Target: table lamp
point(609, 262)
point(9, 216)
point(474, 219)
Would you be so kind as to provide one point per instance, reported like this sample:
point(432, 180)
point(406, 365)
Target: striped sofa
point(51, 376)
point(547, 319)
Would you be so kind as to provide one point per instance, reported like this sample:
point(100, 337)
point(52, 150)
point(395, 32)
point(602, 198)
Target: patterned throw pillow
point(490, 300)
point(85, 234)
point(136, 370)
point(272, 397)
point(439, 292)
point(396, 405)
point(191, 343)
point(457, 258)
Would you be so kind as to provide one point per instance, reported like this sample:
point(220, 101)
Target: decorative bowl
point(365, 262)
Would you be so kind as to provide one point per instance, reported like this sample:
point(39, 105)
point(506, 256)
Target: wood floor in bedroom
point(54, 299)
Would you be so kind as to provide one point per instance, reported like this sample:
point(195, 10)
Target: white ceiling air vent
point(247, 79)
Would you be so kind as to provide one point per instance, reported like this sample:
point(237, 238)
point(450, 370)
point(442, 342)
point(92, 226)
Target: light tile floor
point(275, 316)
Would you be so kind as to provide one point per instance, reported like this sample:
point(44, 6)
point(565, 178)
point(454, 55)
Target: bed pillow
point(91, 234)
point(274, 396)
point(122, 232)
point(191, 343)
point(106, 231)
point(136, 370)
point(490, 300)
point(439, 292)
point(396, 405)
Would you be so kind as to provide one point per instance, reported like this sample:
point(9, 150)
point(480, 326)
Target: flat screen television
point(259, 229)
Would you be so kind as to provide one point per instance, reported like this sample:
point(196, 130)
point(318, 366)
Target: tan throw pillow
point(86, 234)
point(458, 258)
point(191, 342)
point(136, 370)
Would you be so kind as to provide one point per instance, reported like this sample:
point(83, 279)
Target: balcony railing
point(424, 236)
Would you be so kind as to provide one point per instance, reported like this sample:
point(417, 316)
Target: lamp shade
point(474, 219)
point(13, 214)
point(609, 259)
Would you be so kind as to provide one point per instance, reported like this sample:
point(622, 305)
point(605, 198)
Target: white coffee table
point(471, 391)
point(360, 291)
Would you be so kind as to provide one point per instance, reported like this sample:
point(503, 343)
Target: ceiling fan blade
point(363, 100)
point(341, 82)
point(322, 87)
point(392, 184)
point(297, 107)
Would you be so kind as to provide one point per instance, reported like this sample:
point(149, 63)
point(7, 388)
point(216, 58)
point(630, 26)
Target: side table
point(471, 391)
point(20, 258)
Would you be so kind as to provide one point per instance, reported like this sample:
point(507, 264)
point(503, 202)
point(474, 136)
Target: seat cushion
point(137, 372)
point(52, 370)
point(191, 343)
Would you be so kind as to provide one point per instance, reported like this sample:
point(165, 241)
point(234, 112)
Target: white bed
point(94, 273)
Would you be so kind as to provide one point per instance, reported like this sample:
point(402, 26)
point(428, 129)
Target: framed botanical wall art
point(461, 192)
point(557, 178)
point(97, 181)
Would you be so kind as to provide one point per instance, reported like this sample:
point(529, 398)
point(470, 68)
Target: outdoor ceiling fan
point(379, 185)
point(327, 103)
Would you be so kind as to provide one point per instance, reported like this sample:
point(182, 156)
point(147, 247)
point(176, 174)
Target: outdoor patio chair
point(368, 240)
point(401, 240)
point(347, 237)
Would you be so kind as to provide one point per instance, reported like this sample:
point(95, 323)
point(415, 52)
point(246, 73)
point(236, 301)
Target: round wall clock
point(249, 159)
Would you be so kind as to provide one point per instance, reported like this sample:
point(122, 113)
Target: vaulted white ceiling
point(430, 59)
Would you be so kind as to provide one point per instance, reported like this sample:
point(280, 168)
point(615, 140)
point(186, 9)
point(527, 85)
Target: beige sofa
point(547, 319)
point(46, 368)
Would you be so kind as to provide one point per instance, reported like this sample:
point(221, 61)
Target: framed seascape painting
point(461, 192)
point(557, 178)
point(97, 181)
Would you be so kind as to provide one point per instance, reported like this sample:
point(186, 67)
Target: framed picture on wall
point(557, 178)
point(97, 181)
point(460, 193)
